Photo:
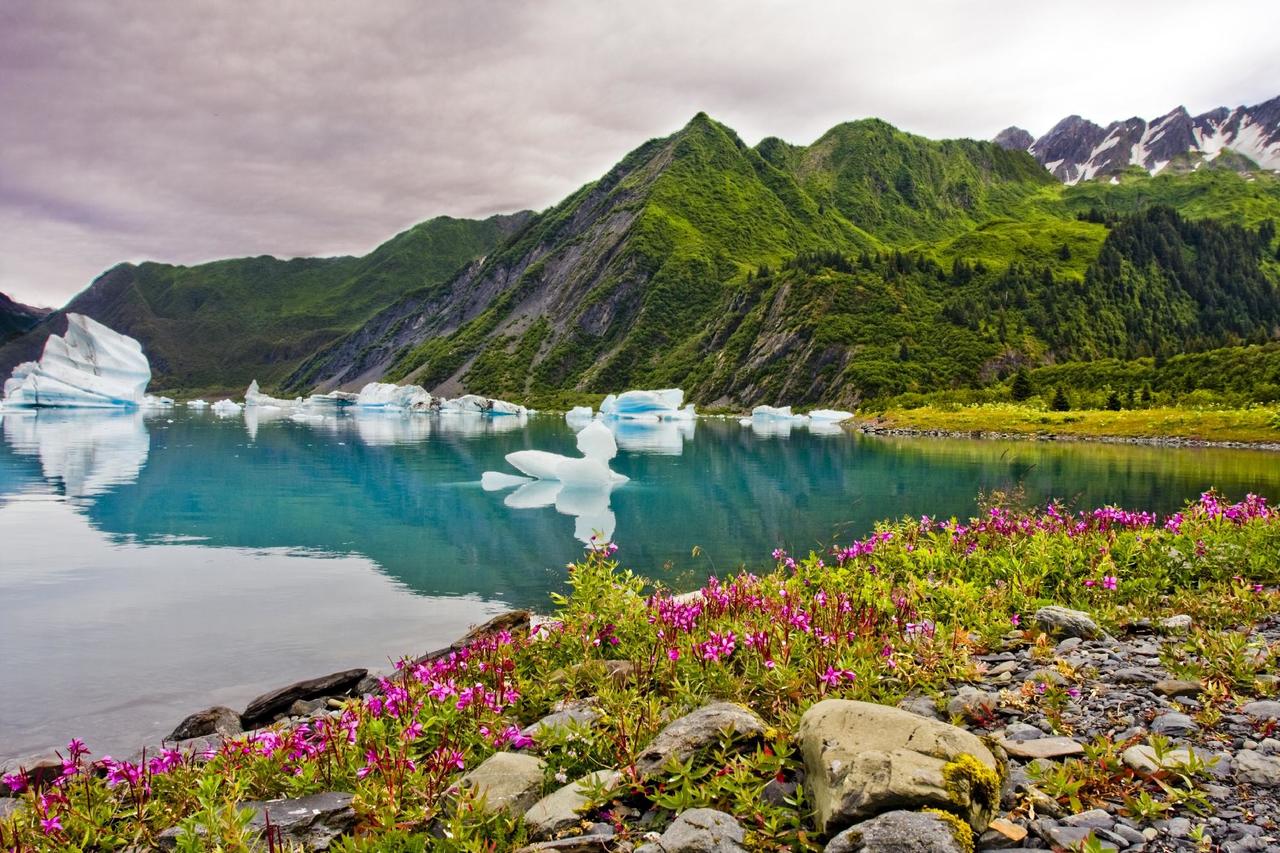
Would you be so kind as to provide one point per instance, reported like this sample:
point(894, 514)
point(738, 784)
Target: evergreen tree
point(1129, 398)
point(1113, 401)
point(1021, 388)
point(1146, 395)
point(1060, 402)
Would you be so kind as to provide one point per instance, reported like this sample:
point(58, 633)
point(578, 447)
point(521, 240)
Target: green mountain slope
point(217, 326)
point(16, 318)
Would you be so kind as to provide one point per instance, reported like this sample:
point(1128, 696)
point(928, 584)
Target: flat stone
point(1093, 819)
point(1008, 829)
point(311, 823)
point(1266, 709)
point(217, 720)
point(921, 705)
point(1174, 724)
point(1257, 769)
point(692, 732)
point(268, 705)
point(1004, 668)
point(1134, 675)
point(1177, 687)
point(1022, 731)
point(591, 843)
point(562, 808)
point(1142, 758)
point(898, 832)
point(1178, 624)
point(507, 782)
point(561, 719)
point(862, 759)
point(1065, 622)
point(1071, 837)
point(1042, 747)
point(699, 831)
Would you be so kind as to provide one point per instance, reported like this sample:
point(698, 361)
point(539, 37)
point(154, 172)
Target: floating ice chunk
point(306, 417)
point(744, 421)
point(578, 416)
point(660, 404)
point(830, 415)
point(825, 428)
point(226, 408)
point(333, 400)
point(586, 472)
point(385, 395)
point(89, 367)
point(476, 404)
point(772, 427)
point(197, 404)
point(538, 464)
point(596, 442)
point(150, 402)
point(253, 398)
point(767, 413)
point(89, 453)
point(496, 481)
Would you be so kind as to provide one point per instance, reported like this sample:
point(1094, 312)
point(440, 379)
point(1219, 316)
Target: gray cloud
point(183, 132)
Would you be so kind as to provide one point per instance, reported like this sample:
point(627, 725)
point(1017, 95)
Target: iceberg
point(150, 402)
point(662, 404)
point(333, 400)
point(579, 416)
point(496, 481)
point(197, 404)
point(88, 367)
point(253, 398)
point(475, 404)
point(597, 446)
point(830, 415)
point(226, 408)
point(392, 397)
point(775, 413)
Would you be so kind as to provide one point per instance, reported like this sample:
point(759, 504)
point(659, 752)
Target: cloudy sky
point(187, 131)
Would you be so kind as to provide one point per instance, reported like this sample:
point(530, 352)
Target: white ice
point(776, 413)
point(89, 367)
point(226, 408)
point(386, 395)
point(597, 446)
point(578, 416)
point(665, 437)
point(830, 415)
point(88, 454)
point(197, 404)
point(254, 398)
point(150, 402)
point(496, 481)
point(589, 506)
point(475, 404)
point(333, 400)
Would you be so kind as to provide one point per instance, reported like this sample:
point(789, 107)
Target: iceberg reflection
point(87, 453)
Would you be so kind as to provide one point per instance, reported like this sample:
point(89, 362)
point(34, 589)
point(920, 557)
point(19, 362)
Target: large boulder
point(311, 823)
point(905, 832)
point(507, 782)
point(694, 731)
point(863, 759)
point(562, 808)
point(699, 831)
point(1065, 622)
point(264, 708)
point(217, 720)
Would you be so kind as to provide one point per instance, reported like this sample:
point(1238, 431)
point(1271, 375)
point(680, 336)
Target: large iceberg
point(254, 398)
point(662, 405)
point(392, 397)
point(89, 367)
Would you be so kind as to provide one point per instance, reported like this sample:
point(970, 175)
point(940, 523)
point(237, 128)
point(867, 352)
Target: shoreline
point(871, 428)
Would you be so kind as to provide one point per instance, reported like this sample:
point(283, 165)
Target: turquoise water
point(151, 566)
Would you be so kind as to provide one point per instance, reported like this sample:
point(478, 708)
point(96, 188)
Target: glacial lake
point(152, 565)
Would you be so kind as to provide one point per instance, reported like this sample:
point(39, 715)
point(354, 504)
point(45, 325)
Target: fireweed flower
point(1109, 582)
point(51, 825)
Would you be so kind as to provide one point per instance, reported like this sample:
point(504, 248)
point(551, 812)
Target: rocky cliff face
point(1076, 149)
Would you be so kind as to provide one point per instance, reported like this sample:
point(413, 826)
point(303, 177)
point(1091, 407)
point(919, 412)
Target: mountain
point(1076, 149)
point(622, 283)
point(16, 318)
point(218, 326)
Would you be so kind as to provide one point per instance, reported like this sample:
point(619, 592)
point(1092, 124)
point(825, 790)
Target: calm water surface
point(151, 566)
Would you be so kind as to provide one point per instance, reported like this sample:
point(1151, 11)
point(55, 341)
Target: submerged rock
point(862, 759)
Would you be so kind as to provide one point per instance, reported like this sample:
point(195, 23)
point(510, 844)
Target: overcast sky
point(187, 131)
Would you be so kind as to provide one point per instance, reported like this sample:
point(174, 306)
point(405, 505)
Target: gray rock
point(691, 732)
point(268, 705)
point(1174, 724)
point(562, 808)
point(583, 716)
point(1067, 645)
point(1142, 758)
point(898, 832)
point(312, 823)
point(1257, 769)
point(862, 759)
point(1004, 668)
point(1134, 675)
point(1178, 624)
point(1093, 819)
point(595, 842)
point(37, 769)
point(972, 703)
point(921, 705)
point(1042, 747)
point(699, 831)
point(1071, 837)
point(1022, 731)
point(1065, 622)
point(8, 805)
point(1263, 710)
point(1177, 687)
point(217, 720)
point(507, 782)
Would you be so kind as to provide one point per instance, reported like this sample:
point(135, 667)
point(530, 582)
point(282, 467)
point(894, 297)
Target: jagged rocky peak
point(1076, 149)
point(1014, 139)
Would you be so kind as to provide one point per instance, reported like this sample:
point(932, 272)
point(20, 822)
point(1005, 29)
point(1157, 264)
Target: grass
point(1258, 424)
point(902, 612)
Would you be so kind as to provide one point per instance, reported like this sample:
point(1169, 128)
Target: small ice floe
point(333, 400)
point(776, 413)
point(579, 416)
point(197, 404)
point(496, 481)
point(157, 403)
point(227, 408)
point(254, 398)
point(396, 398)
point(597, 446)
point(830, 415)
point(89, 367)
point(744, 422)
point(477, 405)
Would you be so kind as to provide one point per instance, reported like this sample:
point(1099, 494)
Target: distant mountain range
point(16, 318)
point(1076, 149)
point(870, 263)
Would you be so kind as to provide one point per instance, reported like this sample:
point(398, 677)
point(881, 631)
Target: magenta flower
point(15, 782)
point(51, 824)
point(1109, 582)
point(1016, 620)
point(673, 653)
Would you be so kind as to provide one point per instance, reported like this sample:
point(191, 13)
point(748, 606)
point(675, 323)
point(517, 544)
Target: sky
point(188, 131)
